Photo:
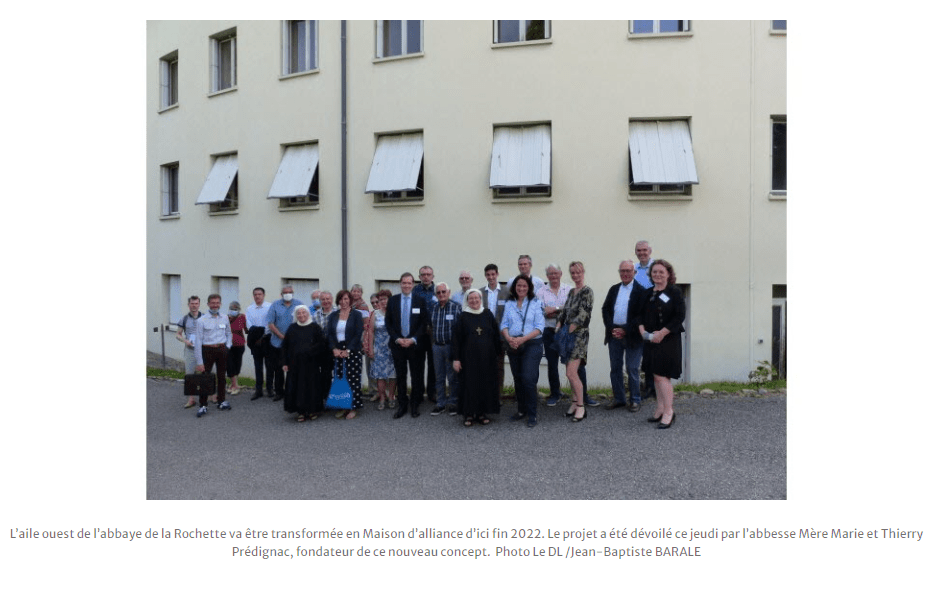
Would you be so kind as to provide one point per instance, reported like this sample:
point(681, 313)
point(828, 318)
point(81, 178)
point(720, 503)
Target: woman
point(233, 363)
point(303, 343)
point(344, 331)
point(522, 326)
point(575, 317)
point(367, 318)
point(476, 350)
point(381, 367)
point(662, 316)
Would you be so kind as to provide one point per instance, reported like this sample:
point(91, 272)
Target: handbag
point(340, 397)
point(199, 384)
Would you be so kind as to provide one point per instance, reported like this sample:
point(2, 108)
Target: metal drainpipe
point(345, 218)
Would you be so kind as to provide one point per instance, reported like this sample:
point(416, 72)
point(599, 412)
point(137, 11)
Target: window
point(521, 163)
point(303, 288)
point(661, 158)
point(778, 26)
point(297, 182)
point(220, 190)
point(170, 189)
point(300, 46)
point(778, 174)
point(398, 168)
point(659, 27)
point(223, 61)
point(519, 31)
point(169, 80)
point(778, 354)
point(394, 38)
point(173, 295)
point(227, 287)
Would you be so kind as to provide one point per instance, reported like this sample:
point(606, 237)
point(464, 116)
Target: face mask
point(287, 296)
point(214, 312)
point(233, 313)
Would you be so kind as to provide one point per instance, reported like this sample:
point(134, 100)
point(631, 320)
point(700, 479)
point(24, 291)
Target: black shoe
point(654, 419)
point(278, 398)
point(532, 422)
point(634, 407)
point(576, 419)
point(518, 416)
point(437, 410)
point(400, 412)
point(270, 394)
point(415, 414)
point(616, 404)
point(669, 424)
point(257, 396)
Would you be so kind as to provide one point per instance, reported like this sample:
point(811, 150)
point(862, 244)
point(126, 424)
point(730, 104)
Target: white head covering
point(309, 317)
point(466, 302)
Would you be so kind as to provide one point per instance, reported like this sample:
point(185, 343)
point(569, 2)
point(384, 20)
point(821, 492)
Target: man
point(280, 316)
point(314, 301)
point(322, 315)
point(406, 318)
point(185, 334)
point(466, 282)
point(643, 252)
point(213, 339)
point(425, 290)
point(443, 317)
point(621, 312)
point(259, 339)
point(553, 295)
point(495, 298)
point(525, 269)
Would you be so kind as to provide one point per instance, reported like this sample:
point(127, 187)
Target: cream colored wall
point(727, 241)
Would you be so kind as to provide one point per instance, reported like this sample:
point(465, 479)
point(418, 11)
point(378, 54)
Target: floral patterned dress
point(381, 368)
point(577, 311)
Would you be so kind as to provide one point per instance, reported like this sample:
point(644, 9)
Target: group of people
point(462, 340)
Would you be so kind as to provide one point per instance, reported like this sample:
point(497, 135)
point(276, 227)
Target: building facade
point(327, 153)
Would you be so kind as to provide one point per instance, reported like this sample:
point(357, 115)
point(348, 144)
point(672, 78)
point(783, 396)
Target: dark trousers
point(273, 361)
point(525, 375)
point(409, 359)
point(551, 357)
point(427, 353)
point(214, 357)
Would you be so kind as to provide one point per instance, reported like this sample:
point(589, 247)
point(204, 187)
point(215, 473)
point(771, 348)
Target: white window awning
point(522, 156)
point(396, 163)
point(219, 180)
point(661, 153)
point(294, 175)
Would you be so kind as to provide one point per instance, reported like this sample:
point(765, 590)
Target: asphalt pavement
point(722, 448)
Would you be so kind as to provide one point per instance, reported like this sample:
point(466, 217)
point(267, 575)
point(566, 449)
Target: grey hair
point(447, 287)
point(553, 267)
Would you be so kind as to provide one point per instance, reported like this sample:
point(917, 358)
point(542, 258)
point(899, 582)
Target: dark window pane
point(298, 46)
point(534, 30)
point(642, 26)
point(779, 25)
point(779, 172)
point(414, 36)
point(508, 31)
point(392, 42)
point(670, 26)
point(174, 80)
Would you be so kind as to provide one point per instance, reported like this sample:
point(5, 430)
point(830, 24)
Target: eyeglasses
point(441, 292)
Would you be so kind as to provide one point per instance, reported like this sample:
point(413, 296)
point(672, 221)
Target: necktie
point(405, 315)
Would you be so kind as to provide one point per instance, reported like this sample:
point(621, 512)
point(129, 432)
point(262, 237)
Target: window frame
point(216, 53)
point(776, 120)
point(523, 32)
point(169, 81)
point(230, 203)
point(399, 197)
point(169, 190)
point(660, 190)
point(311, 200)
point(311, 50)
point(656, 32)
point(775, 30)
point(381, 33)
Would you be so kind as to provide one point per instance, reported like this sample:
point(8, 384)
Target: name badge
point(664, 297)
point(416, 310)
point(448, 317)
point(380, 322)
point(221, 325)
point(501, 302)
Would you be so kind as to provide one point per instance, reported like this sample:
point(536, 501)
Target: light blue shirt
point(281, 316)
point(405, 314)
point(643, 275)
point(622, 303)
point(520, 322)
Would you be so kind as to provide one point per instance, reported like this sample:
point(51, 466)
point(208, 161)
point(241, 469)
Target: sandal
point(340, 414)
point(468, 422)
point(301, 418)
point(483, 420)
point(312, 416)
point(192, 403)
point(351, 415)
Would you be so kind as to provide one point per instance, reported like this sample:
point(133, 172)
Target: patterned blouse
point(577, 311)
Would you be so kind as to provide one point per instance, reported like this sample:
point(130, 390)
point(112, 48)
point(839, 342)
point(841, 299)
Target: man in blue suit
point(407, 318)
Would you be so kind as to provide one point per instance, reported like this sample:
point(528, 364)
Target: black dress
point(300, 352)
point(478, 349)
point(664, 309)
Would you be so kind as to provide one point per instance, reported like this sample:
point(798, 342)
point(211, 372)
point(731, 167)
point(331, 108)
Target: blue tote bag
point(340, 397)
